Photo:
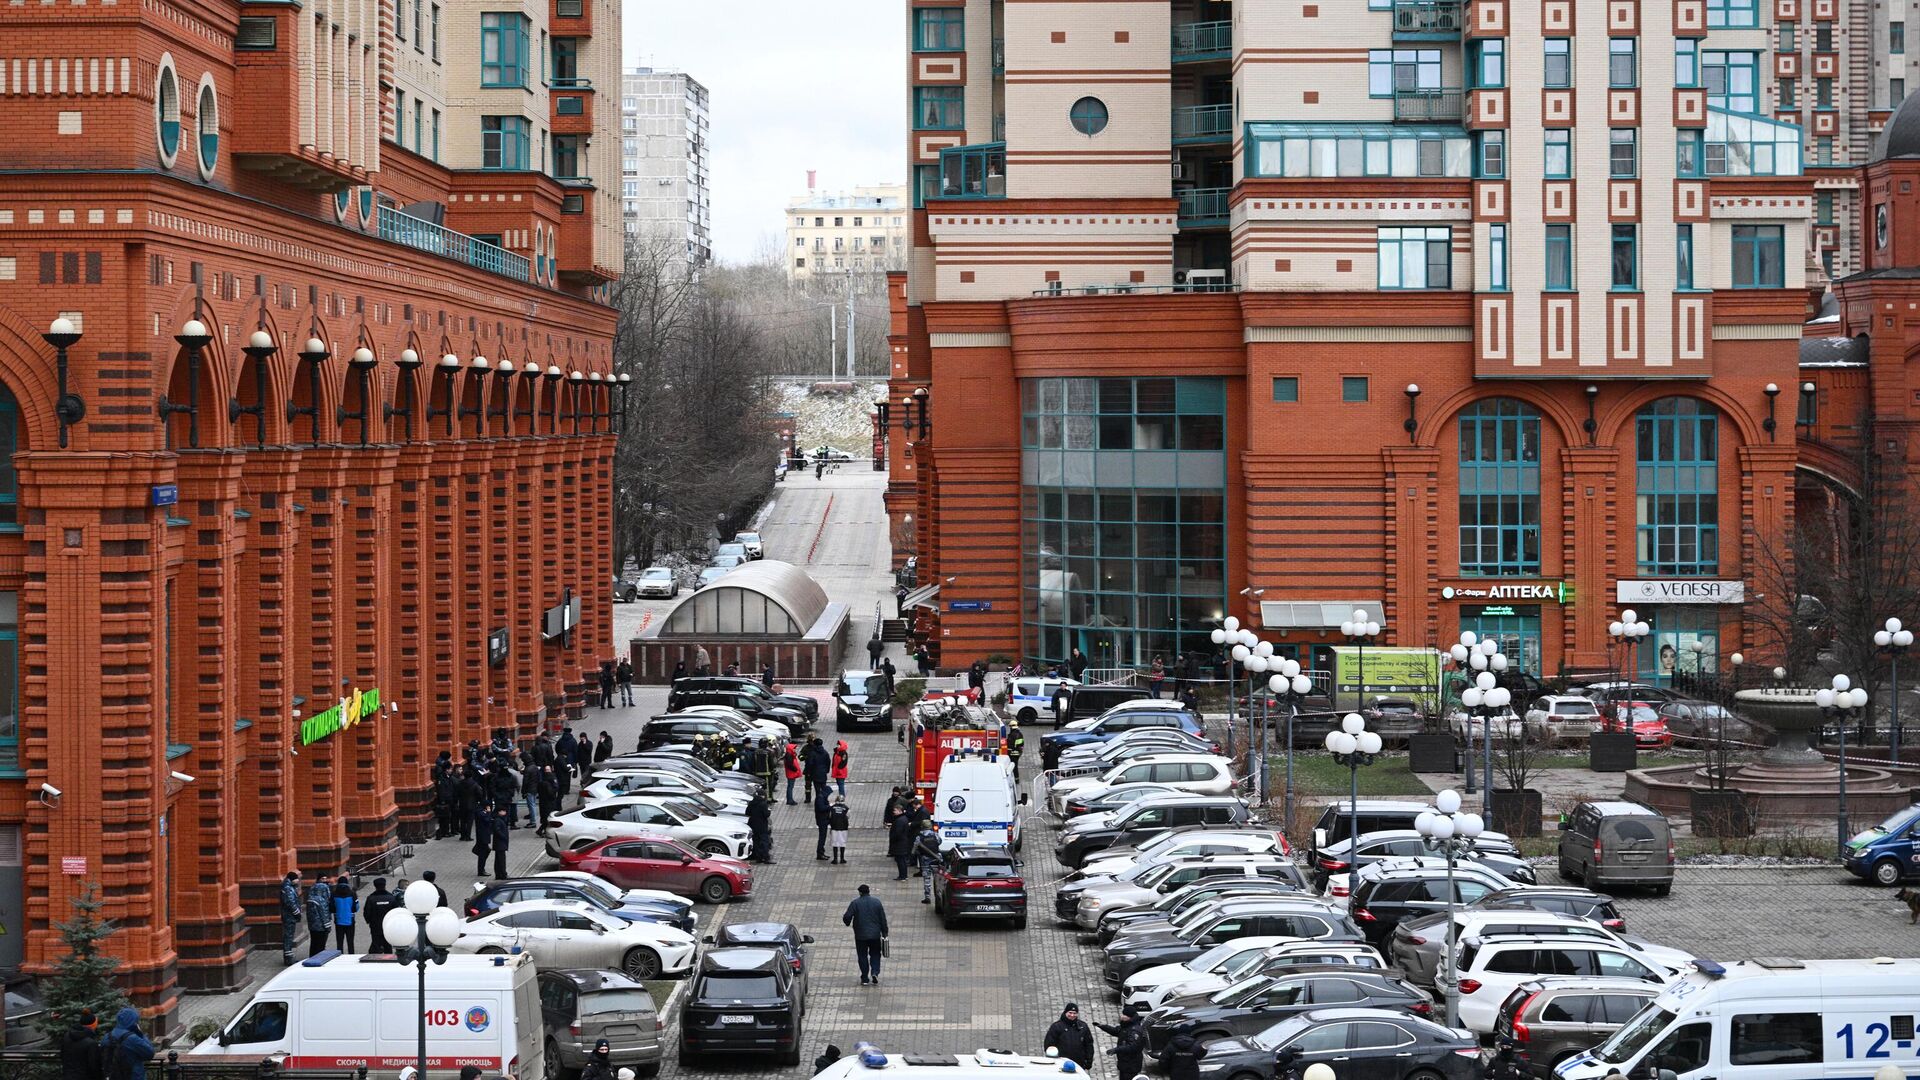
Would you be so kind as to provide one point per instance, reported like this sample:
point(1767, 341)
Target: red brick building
point(337, 416)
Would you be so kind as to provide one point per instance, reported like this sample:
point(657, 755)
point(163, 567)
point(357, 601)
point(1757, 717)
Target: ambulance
point(867, 1061)
point(347, 1012)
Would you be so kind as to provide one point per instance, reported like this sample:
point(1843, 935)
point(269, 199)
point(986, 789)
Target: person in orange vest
point(793, 771)
point(840, 766)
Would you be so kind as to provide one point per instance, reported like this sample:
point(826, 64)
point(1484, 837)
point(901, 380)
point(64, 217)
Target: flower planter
point(1720, 813)
point(1516, 813)
point(1612, 751)
point(1432, 753)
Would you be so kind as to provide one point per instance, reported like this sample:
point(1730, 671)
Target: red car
point(658, 862)
point(1649, 731)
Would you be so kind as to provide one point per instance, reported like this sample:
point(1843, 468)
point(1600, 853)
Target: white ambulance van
point(867, 1061)
point(1768, 1019)
point(343, 1012)
point(977, 802)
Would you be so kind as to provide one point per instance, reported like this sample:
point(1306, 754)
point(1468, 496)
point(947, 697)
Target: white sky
point(814, 84)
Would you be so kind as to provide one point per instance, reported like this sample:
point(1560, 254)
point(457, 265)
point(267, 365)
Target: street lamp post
point(1357, 630)
point(1840, 702)
point(1445, 829)
point(1626, 634)
point(420, 932)
point(1894, 640)
point(1293, 684)
point(1354, 746)
point(1258, 660)
point(1219, 637)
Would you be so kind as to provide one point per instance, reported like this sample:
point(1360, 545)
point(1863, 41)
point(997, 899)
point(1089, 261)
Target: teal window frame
point(1897, 36)
point(1683, 258)
point(939, 108)
point(1823, 93)
point(1686, 63)
point(436, 134)
point(511, 137)
point(1422, 251)
point(1690, 152)
point(1286, 389)
point(1497, 258)
point(1823, 208)
point(504, 44)
point(167, 107)
point(1759, 257)
point(1788, 41)
point(207, 111)
point(1487, 63)
point(1557, 246)
point(1557, 142)
point(1499, 497)
point(1385, 68)
point(1623, 153)
point(1490, 154)
point(1789, 93)
point(1623, 250)
point(9, 445)
point(567, 157)
point(926, 184)
point(419, 124)
point(1896, 92)
point(1733, 14)
point(1823, 37)
point(1088, 115)
point(1556, 72)
point(1732, 79)
point(1623, 63)
point(1353, 389)
point(1677, 488)
point(1336, 149)
point(939, 29)
point(399, 116)
point(566, 60)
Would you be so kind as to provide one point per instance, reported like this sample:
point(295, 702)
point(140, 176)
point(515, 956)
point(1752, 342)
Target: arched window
point(1499, 488)
point(9, 444)
point(1677, 481)
point(166, 106)
point(206, 117)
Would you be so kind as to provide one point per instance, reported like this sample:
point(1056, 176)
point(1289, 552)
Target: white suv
point(1562, 718)
point(1201, 774)
point(1490, 968)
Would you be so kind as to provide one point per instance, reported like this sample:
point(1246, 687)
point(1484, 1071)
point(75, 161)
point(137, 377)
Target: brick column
point(474, 550)
point(321, 619)
point(363, 625)
point(1412, 501)
point(1591, 544)
point(498, 573)
point(261, 797)
point(1766, 508)
point(420, 741)
point(573, 654)
point(211, 663)
point(91, 660)
point(976, 486)
point(552, 546)
point(597, 609)
point(453, 721)
point(525, 541)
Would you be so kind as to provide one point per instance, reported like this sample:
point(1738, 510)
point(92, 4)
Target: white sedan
point(1147, 987)
point(628, 815)
point(562, 934)
point(610, 785)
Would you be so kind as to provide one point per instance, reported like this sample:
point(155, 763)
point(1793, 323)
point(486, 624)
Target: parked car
point(742, 1000)
point(730, 550)
point(1564, 899)
point(1338, 819)
point(614, 782)
point(1145, 819)
point(1196, 773)
point(1394, 719)
point(1211, 970)
point(661, 862)
point(1091, 701)
point(979, 882)
point(1030, 697)
point(1250, 878)
point(1365, 1042)
point(1562, 718)
point(1490, 849)
point(1616, 842)
point(1281, 957)
point(1380, 901)
point(1248, 839)
point(1551, 1019)
point(1649, 731)
point(491, 896)
point(1144, 892)
point(628, 815)
point(831, 453)
point(570, 934)
point(729, 689)
point(751, 543)
point(1113, 799)
point(1054, 743)
point(657, 581)
point(579, 1007)
point(1418, 944)
point(624, 591)
point(1252, 1005)
point(863, 701)
point(695, 770)
point(1706, 721)
point(710, 575)
point(784, 938)
point(1279, 916)
point(1890, 851)
point(1491, 968)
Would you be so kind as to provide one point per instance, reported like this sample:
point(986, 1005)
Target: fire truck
point(940, 728)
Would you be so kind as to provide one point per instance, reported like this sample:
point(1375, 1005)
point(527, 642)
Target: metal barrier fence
point(172, 1065)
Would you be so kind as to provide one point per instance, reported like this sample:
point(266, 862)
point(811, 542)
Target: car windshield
point(601, 895)
point(656, 573)
point(606, 1002)
point(743, 987)
point(1634, 1036)
point(1210, 959)
point(680, 811)
point(1281, 1032)
point(747, 538)
point(867, 686)
point(986, 869)
point(732, 549)
point(727, 560)
point(1125, 794)
point(1246, 961)
point(1897, 821)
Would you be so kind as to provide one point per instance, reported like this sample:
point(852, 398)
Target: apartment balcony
point(1428, 20)
point(973, 172)
point(575, 258)
point(1430, 105)
point(572, 110)
point(1203, 208)
point(422, 235)
point(1199, 42)
point(275, 135)
point(1195, 124)
point(570, 18)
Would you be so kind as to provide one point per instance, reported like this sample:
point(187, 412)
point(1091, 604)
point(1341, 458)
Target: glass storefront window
point(1677, 454)
point(1123, 535)
point(1499, 489)
point(1670, 648)
point(1515, 626)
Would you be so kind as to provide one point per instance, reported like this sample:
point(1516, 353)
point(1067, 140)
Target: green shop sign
point(362, 704)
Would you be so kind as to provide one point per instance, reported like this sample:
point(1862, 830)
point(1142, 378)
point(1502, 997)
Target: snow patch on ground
point(841, 421)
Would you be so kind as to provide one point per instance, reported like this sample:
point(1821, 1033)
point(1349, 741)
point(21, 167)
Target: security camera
point(296, 713)
point(48, 793)
point(181, 777)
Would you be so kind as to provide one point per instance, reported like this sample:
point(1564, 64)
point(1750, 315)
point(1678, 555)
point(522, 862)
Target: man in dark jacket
point(1130, 1042)
point(599, 1063)
point(127, 1044)
point(379, 902)
point(623, 674)
point(1017, 745)
point(1062, 704)
point(1071, 1036)
point(606, 686)
point(80, 1049)
point(319, 915)
point(926, 851)
point(760, 822)
point(869, 921)
point(501, 823)
point(549, 795)
point(822, 817)
point(428, 877)
point(567, 750)
point(900, 842)
point(471, 797)
point(817, 765)
point(1182, 1055)
point(289, 915)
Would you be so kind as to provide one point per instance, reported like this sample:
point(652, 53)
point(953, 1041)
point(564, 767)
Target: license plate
point(736, 1019)
point(990, 907)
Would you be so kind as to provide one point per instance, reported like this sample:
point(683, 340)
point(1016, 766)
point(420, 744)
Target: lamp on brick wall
point(68, 408)
point(450, 366)
point(531, 375)
point(1772, 391)
point(314, 355)
point(1412, 422)
point(505, 370)
point(193, 337)
point(1590, 425)
point(408, 363)
point(554, 375)
point(1805, 417)
point(579, 387)
point(260, 348)
point(625, 384)
point(361, 364)
point(596, 397)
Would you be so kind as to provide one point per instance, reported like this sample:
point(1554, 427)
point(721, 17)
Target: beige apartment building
point(861, 231)
point(666, 189)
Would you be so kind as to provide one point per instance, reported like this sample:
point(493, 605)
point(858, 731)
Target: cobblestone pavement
point(1741, 912)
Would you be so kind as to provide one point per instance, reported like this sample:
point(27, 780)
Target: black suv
point(680, 730)
point(863, 701)
point(729, 689)
point(784, 938)
point(1089, 701)
point(741, 1000)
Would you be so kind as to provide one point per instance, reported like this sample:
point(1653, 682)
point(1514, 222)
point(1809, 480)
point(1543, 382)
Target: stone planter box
point(1612, 751)
point(1432, 753)
point(1516, 813)
point(1720, 813)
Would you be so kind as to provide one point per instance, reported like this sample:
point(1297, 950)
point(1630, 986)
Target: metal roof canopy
point(762, 597)
point(1316, 614)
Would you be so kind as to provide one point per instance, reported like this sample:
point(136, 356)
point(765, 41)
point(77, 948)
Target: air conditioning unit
point(1206, 277)
point(1179, 170)
point(1179, 277)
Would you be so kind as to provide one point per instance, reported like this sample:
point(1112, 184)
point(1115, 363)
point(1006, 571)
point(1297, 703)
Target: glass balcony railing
point(568, 82)
point(1428, 20)
point(1430, 105)
point(434, 239)
point(1202, 123)
point(973, 172)
point(1202, 41)
point(1203, 207)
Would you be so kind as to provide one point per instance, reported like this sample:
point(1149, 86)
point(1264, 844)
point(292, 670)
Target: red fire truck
point(940, 729)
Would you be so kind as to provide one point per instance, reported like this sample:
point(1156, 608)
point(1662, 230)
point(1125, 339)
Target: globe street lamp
point(1353, 745)
point(1445, 829)
point(1626, 634)
point(1841, 701)
point(1894, 640)
point(1291, 683)
point(1257, 662)
point(420, 933)
point(1357, 630)
point(1320, 1070)
point(1219, 637)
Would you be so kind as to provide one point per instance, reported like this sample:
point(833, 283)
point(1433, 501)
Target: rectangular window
point(1686, 62)
point(1896, 92)
point(1499, 490)
point(1823, 93)
point(419, 125)
point(1779, 1039)
point(1286, 389)
point(1559, 153)
point(1623, 153)
point(1896, 37)
point(1789, 94)
point(1823, 150)
point(1626, 258)
point(1823, 37)
point(1731, 81)
point(1690, 152)
point(1677, 502)
point(436, 134)
point(1491, 161)
point(1683, 257)
point(503, 142)
point(503, 49)
point(566, 156)
point(1415, 258)
point(1787, 39)
point(10, 679)
point(1759, 256)
point(419, 42)
point(939, 29)
point(1823, 208)
point(1353, 388)
point(1559, 248)
point(1497, 258)
point(566, 61)
point(1732, 14)
point(1390, 70)
point(1488, 64)
point(400, 116)
point(939, 108)
point(1559, 64)
point(436, 33)
point(400, 21)
point(1623, 62)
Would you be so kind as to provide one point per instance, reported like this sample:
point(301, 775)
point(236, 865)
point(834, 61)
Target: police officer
point(290, 911)
point(1016, 744)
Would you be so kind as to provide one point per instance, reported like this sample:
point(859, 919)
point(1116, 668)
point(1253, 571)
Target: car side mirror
point(225, 1039)
point(806, 939)
point(598, 929)
point(686, 860)
point(1319, 839)
point(708, 939)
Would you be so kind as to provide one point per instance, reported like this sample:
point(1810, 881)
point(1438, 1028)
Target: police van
point(1768, 1019)
point(977, 801)
point(868, 1061)
point(345, 1012)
